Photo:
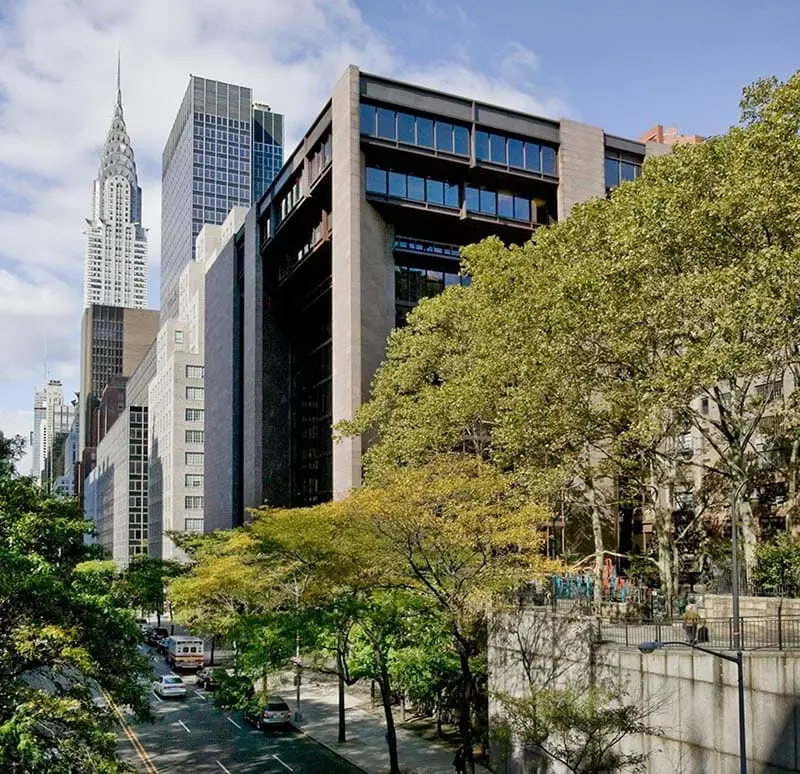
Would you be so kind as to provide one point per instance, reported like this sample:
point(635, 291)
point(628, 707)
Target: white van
point(184, 652)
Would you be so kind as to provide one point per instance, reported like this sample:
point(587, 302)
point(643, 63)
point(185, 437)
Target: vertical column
point(346, 275)
point(581, 165)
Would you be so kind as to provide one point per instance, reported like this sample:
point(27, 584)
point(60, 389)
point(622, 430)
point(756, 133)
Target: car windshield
point(277, 706)
point(173, 680)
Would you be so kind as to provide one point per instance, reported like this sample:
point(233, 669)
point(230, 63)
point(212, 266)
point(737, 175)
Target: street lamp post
point(649, 647)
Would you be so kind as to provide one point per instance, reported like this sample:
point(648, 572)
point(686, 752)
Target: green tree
point(145, 582)
point(65, 638)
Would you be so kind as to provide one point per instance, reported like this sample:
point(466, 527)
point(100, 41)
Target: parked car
point(207, 679)
point(155, 633)
point(273, 713)
point(169, 685)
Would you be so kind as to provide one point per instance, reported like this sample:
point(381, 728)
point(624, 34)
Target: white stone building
point(115, 261)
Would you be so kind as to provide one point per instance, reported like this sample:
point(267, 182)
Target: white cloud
point(56, 99)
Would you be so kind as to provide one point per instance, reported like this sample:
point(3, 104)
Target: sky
point(620, 65)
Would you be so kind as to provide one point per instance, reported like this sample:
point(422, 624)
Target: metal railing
point(776, 632)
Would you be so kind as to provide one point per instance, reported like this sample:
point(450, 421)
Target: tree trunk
point(386, 697)
point(599, 549)
point(750, 535)
point(666, 548)
point(465, 709)
point(792, 524)
point(213, 643)
point(342, 731)
point(439, 714)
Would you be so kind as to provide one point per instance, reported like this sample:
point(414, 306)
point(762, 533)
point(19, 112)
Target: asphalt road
point(191, 735)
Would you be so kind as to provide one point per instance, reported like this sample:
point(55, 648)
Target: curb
point(332, 749)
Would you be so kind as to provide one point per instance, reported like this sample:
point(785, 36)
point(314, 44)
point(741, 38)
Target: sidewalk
point(366, 742)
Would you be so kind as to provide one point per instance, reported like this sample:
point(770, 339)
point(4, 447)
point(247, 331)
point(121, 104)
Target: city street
point(191, 735)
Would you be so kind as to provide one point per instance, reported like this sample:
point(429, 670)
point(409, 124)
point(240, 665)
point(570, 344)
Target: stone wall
point(721, 606)
point(692, 697)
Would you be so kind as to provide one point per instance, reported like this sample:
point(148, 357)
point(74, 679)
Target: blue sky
point(620, 65)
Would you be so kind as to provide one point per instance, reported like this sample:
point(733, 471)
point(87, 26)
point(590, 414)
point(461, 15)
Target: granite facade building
point(366, 217)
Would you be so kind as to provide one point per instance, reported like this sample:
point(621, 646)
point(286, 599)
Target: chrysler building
point(115, 270)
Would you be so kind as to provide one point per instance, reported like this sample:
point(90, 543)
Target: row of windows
point(414, 130)
point(195, 436)
point(291, 200)
point(512, 152)
point(618, 170)
point(193, 502)
point(503, 204)
point(411, 284)
point(195, 414)
point(221, 120)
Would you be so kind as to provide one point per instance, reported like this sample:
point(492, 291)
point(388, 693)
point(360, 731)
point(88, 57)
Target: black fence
point(776, 632)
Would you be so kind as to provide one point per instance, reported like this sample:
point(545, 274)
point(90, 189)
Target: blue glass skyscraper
point(208, 167)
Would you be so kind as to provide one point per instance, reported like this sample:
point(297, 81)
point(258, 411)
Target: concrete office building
point(220, 150)
point(115, 261)
point(114, 340)
point(177, 409)
point(366, 217)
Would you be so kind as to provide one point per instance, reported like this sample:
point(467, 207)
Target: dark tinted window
point(532, 160)
point(376, 180)
point(628, 171)
point(397, 184)
point(425, 132)
point(451, 195)
point(367, 119)
point(435, 192)
point(461, 135)
point(522, 209)
point(548, 160)
point(277, 706)
point(472, 199)
point(444, 137)
point(612, 173)
point(488, 202)
point(416, 188)
point(498, 149)
point(386, 124)
point(405, 128)
point(505, 205)
point(515, 153)
point(482, 146)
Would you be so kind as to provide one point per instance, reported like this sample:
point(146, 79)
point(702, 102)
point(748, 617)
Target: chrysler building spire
point(116, 244)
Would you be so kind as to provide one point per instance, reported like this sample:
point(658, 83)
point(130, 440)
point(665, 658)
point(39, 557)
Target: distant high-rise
point(115, 262)
point(222, 152)
point(37, 436)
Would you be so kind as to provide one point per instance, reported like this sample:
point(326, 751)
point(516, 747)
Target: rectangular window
point(367, 120)
point(195, 415)
point(416, 188)
point(397, 184)
point(703, 401)
point(522, 209)
point(405, 128)
point(482, 146)
point(194, 458)
point(533, 161)
point(194, 481)
point(179, 337)
point(488, 202)
point(516, 153)
point(386, 124)
point(505, 204)
point(195, 393)
point(472, 199)
point(425, 132)
point(498, 148)
point(194, 525)
point(461, 140)
point(434, 192)
point(548, 160)
point(194, 436)
point(628, 171)
point(376, 180)
point(193, 502)
point(451, 195)
point(444, 137)
point(195, 372)
point(612, 173)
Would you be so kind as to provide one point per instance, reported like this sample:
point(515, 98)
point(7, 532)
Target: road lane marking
point(231, 720)
point(132, 738)
point(222, 767)
point(285, 765)
point(188, 730)
point(157, 696)
point(201, 696)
